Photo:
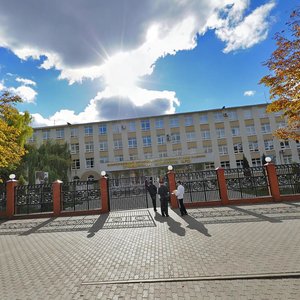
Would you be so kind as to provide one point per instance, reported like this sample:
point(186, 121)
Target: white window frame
point(118, 144)
point(161, 139)
point(159, 123)
point(89, 147)
point(223, 150)
point(190, 136)
point(75, 164)
point(203, 119)
point(253, 146)
point(74, 148)
point(132, 143)
point(250, 130)
point(225, 164)
point(60, 133)
point(174, 122)
point(188, 120)
point(88, 130)
point(220, 133)
point(147, 141)
point(265, 128)
point(102, 129)
point(205, 134)
point(175, 137)
point(235, 131)
point(238, 148)
point(89, 163)
point(269, 144)
point(103, 146)
point(145, 125)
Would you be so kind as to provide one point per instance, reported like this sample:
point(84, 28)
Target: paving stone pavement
point(234, 252)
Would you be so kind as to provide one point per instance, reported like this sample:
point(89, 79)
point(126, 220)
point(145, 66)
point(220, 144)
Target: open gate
point(128, 193)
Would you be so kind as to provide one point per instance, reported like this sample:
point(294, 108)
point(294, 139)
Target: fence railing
point(35, 198)
point(288, 178)
point(246, 183)
point(200, 186)
point(80, 195)
point(2, 197)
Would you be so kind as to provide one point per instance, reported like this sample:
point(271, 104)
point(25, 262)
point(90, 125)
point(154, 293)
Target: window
point(225, 164)
point(32, 138)
point(103, 146)
point(207, 149)
point(205, 134)
point(269, 144)
point(74, 132)
point(75, 164)
point(177, 152)
point(239, 163)
point(256, 162)
point(248, 114)
point(46, 134)
point(191, 136)
point(285, 145)
point(232, 115)
point(188, 121)
point(262, 112)
point(76, 178)
point(89, 163)
point(161, 139)
point(89, 147)
point(102, 129)
point(74, 148)
point(132, 143)
point(175, 138)
point(103, 160)
point(253, 146)
point(116, 128)
point(159, 123)
point(91, 178)
point(132, 157)
point(209, 166)
point(162, 154)
point(119, 158)
point(238, 148)
point(118, 144)
point(287, 159)
point(148, 155)
point(250, 130)
point(281, 124)
point(203, 119)
point(60, 133)
point(88, 130)
point(174, 122)
point(235, 131)
point(223, 150)
point(145, 125)
point(219, 117)
point(265, 128)
point(220, 133)
point(131, 126)
point(147, 141)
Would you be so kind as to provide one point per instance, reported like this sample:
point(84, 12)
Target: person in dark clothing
point(152, 189)
point(164, 196)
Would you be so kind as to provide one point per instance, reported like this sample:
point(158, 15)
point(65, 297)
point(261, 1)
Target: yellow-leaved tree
point(14, 130)
point(284, 80)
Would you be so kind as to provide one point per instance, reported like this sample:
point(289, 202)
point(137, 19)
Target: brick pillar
point(104, 194)
point(56, 188)
point(222, 186)
point(273, 181)
point(172, 187)
point(10, 198)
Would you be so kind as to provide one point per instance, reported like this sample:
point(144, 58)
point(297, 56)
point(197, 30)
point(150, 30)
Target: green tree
point(283, 81)
point(14, 130)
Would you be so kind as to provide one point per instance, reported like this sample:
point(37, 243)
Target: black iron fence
point(288, 178)
point(2, 197)
point(80, 195)
point(35, 198)
point(200, 186)
point(246, 183)
point(127, 193)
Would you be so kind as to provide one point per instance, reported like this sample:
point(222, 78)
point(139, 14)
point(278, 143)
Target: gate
point(128, 193)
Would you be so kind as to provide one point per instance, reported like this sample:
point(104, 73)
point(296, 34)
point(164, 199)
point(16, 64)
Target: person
point(164, 196)
point(152, 189)
point(180, 194)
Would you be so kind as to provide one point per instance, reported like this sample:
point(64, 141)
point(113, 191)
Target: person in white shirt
point(180, 194)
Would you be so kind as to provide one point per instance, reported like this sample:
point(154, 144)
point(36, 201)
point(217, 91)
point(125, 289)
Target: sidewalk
point(236, 252)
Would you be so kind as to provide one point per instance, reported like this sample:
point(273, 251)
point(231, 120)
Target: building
point(188, 141)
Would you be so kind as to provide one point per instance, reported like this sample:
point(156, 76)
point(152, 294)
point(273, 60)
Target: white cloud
point(249, 93)
point(2, 86)
point(82, 42)
point(25, 81)
point(25, 92)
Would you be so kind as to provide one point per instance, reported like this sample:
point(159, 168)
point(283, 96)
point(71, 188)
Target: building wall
point(213, 138)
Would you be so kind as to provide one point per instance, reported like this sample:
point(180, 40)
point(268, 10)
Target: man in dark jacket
point(163, 192)
point(152, 189)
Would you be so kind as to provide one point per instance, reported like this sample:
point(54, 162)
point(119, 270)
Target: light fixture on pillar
point(268, 159)
point(12, 176)
point(103, 173)
point(170, 168)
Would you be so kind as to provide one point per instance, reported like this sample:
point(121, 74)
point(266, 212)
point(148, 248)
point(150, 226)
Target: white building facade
point(188, 141)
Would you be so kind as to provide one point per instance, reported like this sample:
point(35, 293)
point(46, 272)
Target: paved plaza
point(234, 252)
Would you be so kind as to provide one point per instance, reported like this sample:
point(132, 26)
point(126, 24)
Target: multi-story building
point(188, 141)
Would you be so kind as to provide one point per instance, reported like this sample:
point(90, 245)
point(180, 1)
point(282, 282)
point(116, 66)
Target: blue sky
point(71, 63)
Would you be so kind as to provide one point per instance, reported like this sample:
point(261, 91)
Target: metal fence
point(127, 193)
point(246, 183)
point(200, 186)
point(288, 178)
point(35, 198)
point(2, 197)
point(81, 195)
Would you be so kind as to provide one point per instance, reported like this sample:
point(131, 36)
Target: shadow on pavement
point(97, 225)
point(175, 226)
point(36, 228)
point(196, 225)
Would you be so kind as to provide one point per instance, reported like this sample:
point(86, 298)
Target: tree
point(14, 130)
point(284, 80)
